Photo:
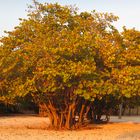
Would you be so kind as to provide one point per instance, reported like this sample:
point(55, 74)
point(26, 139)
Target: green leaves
point(58, 50)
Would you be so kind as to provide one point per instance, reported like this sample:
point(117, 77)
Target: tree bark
point(120, 110)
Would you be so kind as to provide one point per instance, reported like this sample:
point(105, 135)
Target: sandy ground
point(34, 128)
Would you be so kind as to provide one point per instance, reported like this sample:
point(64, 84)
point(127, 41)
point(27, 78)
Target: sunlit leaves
point(57, 48)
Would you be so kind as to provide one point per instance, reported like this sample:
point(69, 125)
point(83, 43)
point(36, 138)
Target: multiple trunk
point(71, 115)
point(66, 115)
point(69, 111)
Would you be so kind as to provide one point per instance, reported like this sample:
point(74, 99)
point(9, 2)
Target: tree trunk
point(81, 114)
point(62, 112)
point(120, 111)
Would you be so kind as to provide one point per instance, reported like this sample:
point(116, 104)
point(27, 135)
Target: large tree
point(64, 59)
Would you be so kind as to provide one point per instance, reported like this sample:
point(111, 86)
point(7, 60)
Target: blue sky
point(127, 10)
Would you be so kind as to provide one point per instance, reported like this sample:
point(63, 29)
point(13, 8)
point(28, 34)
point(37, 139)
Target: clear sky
point(127, 10)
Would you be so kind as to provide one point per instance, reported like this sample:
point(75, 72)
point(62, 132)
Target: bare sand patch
point(35, 128)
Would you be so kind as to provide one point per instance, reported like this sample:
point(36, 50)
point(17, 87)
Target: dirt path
point(33, 128)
